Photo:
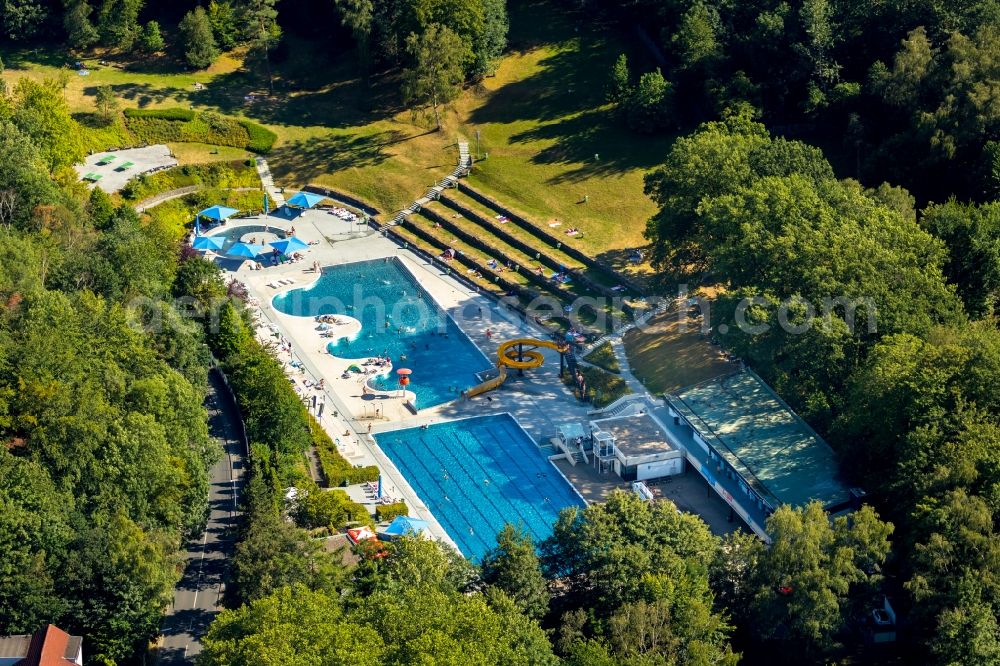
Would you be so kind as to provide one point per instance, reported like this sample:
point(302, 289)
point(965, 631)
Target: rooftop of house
point(50, 646)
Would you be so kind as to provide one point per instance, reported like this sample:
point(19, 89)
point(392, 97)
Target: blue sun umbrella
point(218, 213)
point(406, 526)
point(305, 199)
point(208, 243)
point(248, 250)
point(289, 245)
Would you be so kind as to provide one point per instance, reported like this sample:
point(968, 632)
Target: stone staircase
point(434, 193)
point(625, 405)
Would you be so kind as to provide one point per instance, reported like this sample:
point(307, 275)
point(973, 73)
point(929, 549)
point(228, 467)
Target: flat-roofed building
point(635, 448)
point(752, 449)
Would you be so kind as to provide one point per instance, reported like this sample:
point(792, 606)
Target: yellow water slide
point(518, 354)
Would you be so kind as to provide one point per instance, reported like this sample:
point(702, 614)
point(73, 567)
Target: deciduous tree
point(513, 567)
point(358, 16)
point(619, 84)
point(106, 102)
point(118, 22)
point(22, 19)
point(435, 76)
point(225, 24)
point(805, 580)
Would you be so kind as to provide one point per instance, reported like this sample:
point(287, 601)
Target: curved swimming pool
point(233, 234)
point(399, 319)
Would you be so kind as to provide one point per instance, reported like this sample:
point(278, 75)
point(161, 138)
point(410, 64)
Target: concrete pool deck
point(538, 400)
point(144, 160)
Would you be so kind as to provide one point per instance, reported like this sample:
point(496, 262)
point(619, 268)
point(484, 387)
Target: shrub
point(387, 512)
point(336, 469)
point(603, 388)
point(176, 124)
point(604, 357)
point(261, 138)
point(221, 175)
point(328, 508)
point(174, 113)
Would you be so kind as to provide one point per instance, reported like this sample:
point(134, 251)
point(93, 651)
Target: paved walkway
point(146, 204)
point(198, 595)
point(625, 371)
point(268, 181)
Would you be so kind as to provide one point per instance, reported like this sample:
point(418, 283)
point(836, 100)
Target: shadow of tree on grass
point(308, 159)
point(596, 144)
point(569, 81)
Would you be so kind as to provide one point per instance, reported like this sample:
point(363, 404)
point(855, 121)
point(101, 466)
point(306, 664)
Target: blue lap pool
point(476, 475)
point(399, 319)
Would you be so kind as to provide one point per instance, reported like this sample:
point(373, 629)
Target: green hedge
point(174, 113)
point(176, 125)
point(387, 512)
point(337, 470)
point(261, 138)
point(275, 418)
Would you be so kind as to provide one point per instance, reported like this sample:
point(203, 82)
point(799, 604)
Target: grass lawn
point(666, 358)
point(550, 138)
point(203, 153)
point(604, 357)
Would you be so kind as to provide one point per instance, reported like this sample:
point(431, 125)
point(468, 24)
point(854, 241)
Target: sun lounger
point(108, 159)
point(272, 285)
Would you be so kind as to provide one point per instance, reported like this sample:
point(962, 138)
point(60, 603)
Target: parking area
point(688, 491)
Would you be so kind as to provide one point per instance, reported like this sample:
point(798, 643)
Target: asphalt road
point(198, 595)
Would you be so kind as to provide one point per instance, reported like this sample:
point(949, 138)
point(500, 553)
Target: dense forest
point(106, 447)
point(896, 91)
point(825, 149)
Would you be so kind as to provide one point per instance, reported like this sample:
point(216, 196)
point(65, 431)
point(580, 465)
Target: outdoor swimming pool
point(399, 320)
point(476, 475)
